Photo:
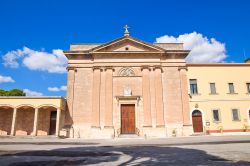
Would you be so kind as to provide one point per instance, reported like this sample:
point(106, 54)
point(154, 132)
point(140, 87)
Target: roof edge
point(216, 64)
point(32, 97)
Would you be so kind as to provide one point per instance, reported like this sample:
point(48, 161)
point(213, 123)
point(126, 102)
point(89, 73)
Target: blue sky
point(44, 26)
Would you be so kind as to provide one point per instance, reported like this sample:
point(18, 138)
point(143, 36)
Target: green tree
point(2, 92)
point(12, 92)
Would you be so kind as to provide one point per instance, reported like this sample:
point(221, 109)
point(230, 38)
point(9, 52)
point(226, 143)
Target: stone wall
point(5, 121)
point(25, 121)
point(43, 122)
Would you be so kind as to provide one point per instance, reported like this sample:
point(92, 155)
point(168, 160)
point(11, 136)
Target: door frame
point(134, 117)
point(137, 112)
point(202, 118)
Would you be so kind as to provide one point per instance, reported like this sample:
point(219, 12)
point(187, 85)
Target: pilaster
point(102, 98)
point(184, 95)
point(70, 93)
point(109, 97)
point(146, 96)
point(159, 97)
point(152, 97)
point(96, 97)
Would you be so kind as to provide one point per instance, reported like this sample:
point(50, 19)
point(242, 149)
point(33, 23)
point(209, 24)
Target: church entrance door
point(127, 119)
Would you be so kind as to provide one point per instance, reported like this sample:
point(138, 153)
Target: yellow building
point(220, 97)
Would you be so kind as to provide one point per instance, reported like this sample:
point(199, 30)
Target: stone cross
point(126, 33)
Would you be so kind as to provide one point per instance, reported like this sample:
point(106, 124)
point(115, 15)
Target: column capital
point(157, 67)
point(97, 68)
point(182, 68)
point(71, 68)
point(145, 67)
point(109, 68)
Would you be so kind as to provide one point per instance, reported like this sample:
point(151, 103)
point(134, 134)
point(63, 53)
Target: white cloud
point(54, 62)
point(57, 89)
point(64, 88)
point(6, 79)
point(32, 93)
point(203, 50)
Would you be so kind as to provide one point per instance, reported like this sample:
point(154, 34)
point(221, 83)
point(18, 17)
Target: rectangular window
point(248, 87)
point(216, 115)
point(235, 114)
point(231, 87)
point(212, 88)
point(193, 86)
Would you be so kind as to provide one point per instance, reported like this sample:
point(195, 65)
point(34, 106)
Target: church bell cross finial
point(126, 33)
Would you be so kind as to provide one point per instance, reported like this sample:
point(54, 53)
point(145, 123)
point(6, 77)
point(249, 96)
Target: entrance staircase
point(127, 136)
point(198, 134)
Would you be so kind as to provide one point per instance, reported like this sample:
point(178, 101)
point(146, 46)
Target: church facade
point(130, 87)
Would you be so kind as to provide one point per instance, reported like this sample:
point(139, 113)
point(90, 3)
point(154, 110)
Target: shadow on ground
point(117, 155)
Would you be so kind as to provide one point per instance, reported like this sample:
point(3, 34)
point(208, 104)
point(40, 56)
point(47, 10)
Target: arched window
point(126, 72)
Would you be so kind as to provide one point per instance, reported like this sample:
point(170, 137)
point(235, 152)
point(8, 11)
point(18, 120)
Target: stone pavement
point(202, 150)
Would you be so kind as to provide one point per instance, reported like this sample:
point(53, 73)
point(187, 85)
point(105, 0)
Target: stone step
point(129, 136)
point(198, 134)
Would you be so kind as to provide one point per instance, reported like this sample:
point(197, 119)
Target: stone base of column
point(174, 130)
point(33, 134)
point(107, 132)
point(154, 132)
point(96, 127)
point(187, 130)
point(12, 134)
point(92, 132)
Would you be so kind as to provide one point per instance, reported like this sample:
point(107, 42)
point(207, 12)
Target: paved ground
point(204, 150)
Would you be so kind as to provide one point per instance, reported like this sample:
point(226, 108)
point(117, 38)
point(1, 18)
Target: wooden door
point(197, 122)
point(127, 119)
point(52, 128)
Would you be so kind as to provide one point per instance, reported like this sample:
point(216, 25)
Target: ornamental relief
point(126, 72)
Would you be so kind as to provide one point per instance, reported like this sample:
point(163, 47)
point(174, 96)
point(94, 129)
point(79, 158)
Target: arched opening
point(25, 120)
point(6, 114)
point(47, 120)
point(197, 121)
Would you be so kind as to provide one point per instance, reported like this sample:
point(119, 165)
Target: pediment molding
point(127, 44)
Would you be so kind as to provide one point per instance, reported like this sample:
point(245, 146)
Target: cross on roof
point(126, 33)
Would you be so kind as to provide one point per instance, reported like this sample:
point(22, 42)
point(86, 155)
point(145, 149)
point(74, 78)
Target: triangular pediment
point(127, 44)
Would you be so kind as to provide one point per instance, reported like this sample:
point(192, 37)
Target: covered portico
point(35, 116)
